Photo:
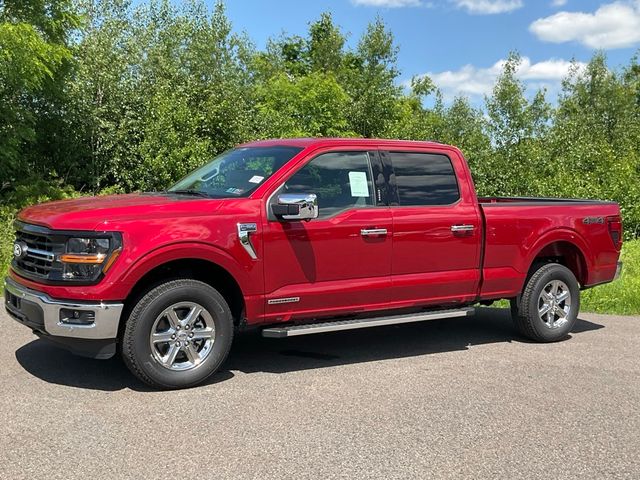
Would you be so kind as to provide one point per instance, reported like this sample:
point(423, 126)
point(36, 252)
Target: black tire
point(141, 357)
point(525, 310)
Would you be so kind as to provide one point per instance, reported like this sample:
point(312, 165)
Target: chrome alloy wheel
point(182, 336)
point(554, 304)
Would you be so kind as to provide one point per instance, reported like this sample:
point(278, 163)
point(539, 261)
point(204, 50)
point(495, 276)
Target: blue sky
point(461, 42)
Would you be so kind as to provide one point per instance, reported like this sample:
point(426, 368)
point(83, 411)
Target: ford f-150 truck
point(296, 237)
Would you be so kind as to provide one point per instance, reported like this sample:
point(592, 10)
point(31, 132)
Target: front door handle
point(463, 229)
point(368, 232)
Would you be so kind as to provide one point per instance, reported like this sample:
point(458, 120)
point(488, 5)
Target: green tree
point(313, 105)
point(133, 97)
point(595, 137)
point(314, 86)
point(465, 127)
point(517, 127)
point(160, 91)
point(35, 59)
point(326, 44)
point(369, 78)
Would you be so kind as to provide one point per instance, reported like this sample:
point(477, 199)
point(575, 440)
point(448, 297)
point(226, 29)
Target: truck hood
point(97, 213)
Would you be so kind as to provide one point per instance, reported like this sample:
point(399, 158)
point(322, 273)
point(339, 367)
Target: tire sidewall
point(558, 272)
point(196, 292)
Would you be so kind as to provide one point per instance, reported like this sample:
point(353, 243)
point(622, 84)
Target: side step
point(311, 328)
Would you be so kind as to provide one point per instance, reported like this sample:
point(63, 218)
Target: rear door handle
point(367, 232)
point(463, 228)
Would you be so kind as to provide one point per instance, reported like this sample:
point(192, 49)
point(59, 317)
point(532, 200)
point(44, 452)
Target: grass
point(621, 297)
point(6, 240)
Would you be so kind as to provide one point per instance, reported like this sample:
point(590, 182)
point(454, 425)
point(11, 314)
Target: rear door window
point(423, 179)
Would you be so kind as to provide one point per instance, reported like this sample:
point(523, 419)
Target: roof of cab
point(316, 142)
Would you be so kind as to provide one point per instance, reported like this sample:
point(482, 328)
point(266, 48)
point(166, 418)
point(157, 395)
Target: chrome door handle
point(366, 232)
point(462, 228)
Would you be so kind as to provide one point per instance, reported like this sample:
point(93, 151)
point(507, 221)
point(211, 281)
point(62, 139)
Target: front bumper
point(43, 314)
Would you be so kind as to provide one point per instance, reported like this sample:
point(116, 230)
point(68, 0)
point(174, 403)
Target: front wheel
point(178, 334)
point(549, 305)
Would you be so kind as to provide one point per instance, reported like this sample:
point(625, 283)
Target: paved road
point(459, 398)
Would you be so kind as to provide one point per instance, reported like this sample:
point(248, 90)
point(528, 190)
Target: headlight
point(86, 258)
point(87, 250)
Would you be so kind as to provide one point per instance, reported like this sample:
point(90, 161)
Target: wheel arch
point(565, 251)
point(199, 262)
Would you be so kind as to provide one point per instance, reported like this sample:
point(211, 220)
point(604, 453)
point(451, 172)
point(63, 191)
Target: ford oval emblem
point(20, 250)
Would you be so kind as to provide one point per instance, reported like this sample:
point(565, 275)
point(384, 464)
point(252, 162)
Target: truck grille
point(43, 248)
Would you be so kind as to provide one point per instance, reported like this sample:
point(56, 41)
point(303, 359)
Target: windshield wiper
point(188, 191)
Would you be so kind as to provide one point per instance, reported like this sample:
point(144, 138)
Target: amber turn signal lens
point(82, 258)
point(111, 260)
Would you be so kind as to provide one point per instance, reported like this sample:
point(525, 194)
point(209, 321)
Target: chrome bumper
point(618, 271)
point(41, 312)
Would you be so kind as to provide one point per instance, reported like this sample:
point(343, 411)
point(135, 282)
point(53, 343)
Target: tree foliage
point(518, 128)
point(106, 95)
point(35, 59)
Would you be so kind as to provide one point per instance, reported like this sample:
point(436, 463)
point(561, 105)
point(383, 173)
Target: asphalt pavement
point(456, 398)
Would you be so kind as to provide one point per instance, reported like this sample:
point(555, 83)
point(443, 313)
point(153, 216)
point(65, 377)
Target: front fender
point(193, 250)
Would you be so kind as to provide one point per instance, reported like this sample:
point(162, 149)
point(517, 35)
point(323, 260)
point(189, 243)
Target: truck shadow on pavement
point(252, 353)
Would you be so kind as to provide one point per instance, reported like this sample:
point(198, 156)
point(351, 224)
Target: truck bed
point(548, 201)
point(570, 228)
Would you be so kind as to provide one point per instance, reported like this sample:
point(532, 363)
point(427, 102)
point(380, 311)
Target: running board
point(311, 328)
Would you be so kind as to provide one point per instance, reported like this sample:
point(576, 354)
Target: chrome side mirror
point(296, 206)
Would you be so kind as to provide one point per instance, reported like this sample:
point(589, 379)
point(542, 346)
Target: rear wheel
point(178, 334)
point(548, 307)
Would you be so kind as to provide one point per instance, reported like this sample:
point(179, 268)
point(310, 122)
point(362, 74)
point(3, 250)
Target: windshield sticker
point(358, 183)
point(256, 179)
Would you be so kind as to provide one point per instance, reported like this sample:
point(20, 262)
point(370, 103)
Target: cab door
point(437, 230)
point(339, 262)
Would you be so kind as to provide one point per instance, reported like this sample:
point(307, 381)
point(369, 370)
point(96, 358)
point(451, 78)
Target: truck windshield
point(235, 173)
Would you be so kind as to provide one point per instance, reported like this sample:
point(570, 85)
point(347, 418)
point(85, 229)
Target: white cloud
point(488, 7)
point(387, 3)
point(475, 82)
point(613, 25)
point(558, 3)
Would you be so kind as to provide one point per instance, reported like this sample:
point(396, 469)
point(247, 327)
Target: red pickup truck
point(296, 237)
